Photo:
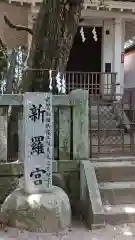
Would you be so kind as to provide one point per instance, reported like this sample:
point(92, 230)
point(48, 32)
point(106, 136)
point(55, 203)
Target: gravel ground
point(78, 231)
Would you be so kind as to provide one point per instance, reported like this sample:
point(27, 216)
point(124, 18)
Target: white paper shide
point(38, 142)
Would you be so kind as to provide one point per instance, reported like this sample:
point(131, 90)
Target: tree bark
point(53, 34)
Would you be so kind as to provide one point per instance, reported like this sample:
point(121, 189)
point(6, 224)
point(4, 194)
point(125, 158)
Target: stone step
point(101, 161)
point(119, 214)
point(114, 171)
point(116, 181)
point(116, 185)
point(117, 193)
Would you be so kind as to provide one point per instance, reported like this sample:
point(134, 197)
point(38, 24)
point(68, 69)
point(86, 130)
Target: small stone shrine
point(36, 205)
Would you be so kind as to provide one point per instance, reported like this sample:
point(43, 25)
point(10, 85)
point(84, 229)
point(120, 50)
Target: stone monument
point(37, 205)
point(38, 142)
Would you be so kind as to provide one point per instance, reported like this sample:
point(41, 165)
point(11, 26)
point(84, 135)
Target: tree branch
point(1, 43)
point(17, 27)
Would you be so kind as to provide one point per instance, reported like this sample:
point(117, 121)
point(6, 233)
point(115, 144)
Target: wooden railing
point(103, 83)
point(97, 83)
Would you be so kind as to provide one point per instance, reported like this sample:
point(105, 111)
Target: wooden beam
point(90, 14)
point(112, 4)
point(97, 3)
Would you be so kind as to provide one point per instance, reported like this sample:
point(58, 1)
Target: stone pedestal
point(42, 212)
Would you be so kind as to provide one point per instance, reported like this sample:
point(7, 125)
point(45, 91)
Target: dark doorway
point(85, 57)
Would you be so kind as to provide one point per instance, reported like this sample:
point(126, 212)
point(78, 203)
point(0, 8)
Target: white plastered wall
point(112, 48)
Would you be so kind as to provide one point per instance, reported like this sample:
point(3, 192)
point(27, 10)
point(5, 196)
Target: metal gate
point(111, 121)
point(112, 129)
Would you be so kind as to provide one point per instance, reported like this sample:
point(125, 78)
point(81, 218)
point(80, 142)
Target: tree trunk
point(53, 34)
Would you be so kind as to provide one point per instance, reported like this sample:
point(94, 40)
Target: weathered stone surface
point(11, 169)
point(80, 124)
point(74, 192)
point(64, 133)
point(46, 212)
point(17, 169)
point(7, 185)
point(3, 137)
point(57, 180)
point(20, 136)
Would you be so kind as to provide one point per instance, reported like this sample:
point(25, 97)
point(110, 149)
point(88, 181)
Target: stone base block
point(46, 212)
